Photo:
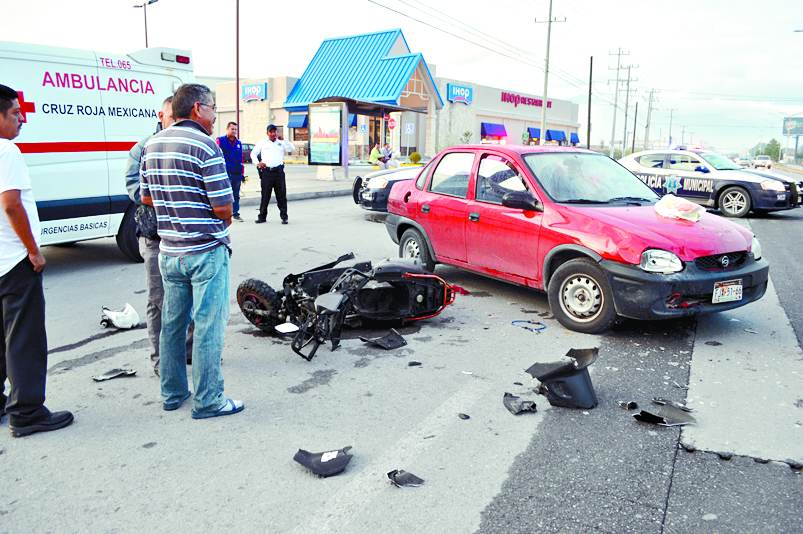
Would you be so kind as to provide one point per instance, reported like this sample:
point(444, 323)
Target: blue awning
point(298, 121)
point(352, 120)
point(496, 130)
point(575, 139)
point(535, 133)
point(555, 135)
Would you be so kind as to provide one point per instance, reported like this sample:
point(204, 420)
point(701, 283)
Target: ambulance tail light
point(183, 59)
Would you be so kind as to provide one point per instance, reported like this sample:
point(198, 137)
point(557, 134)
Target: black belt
point(278, 168)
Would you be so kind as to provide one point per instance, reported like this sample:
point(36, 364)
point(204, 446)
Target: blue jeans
point(236, 181)
point(195, 287)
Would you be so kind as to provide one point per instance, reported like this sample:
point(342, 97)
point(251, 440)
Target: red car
point(578, 225)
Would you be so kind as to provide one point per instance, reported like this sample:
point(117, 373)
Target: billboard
point(326, 133)
point(793, 126)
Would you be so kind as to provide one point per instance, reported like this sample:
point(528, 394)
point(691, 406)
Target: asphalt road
point(125, 465)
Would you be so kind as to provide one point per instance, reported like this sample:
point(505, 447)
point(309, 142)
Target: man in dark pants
point(233, 154)
point(270, 153)
point(22, 299)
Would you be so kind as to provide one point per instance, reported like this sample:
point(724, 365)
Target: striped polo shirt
point(184, 173)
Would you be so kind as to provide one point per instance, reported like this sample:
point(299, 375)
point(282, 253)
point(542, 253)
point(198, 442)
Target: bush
point(415, 157)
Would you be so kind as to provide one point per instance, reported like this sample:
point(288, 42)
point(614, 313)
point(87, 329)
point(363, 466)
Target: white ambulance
point(83, 111)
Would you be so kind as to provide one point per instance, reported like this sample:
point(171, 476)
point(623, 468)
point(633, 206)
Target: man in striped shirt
point(183, 176)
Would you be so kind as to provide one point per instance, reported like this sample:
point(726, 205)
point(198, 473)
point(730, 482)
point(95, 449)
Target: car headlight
point(773, 185)
point(660, 261)
point(377, 183)
point(755, 248)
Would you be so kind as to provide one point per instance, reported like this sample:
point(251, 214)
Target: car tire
point(356, 189)
point(735, 202)
point(127, 240)
point(255, 294)
point(581, 297)
point(413, 245)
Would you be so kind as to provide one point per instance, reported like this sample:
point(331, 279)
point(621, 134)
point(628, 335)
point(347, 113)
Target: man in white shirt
point(22, 299)
point(270, 153)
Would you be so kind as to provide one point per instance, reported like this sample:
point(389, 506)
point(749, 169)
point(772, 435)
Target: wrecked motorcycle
point(317, 303)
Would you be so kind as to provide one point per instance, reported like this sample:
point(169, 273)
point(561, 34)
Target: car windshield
point(719, 162)
point(585, 178)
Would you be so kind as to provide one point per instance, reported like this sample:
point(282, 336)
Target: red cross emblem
point(25, 107)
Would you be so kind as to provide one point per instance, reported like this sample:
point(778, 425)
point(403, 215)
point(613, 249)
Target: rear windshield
point(577, 177)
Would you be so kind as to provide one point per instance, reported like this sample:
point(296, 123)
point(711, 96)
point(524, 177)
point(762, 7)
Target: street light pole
point(546, 74)
point(144, 7)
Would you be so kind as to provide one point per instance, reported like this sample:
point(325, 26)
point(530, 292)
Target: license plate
point(781, 196)
point(727, 291)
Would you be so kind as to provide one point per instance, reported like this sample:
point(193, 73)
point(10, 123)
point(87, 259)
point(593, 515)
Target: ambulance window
point(651, 161)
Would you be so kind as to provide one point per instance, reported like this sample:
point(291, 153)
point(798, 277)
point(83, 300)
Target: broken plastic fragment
point(516, 405)
point(662, 401)
point(324, 464)
point(568, 384)
point(414, 363)
point(668, 415)
point(114, 373)
point(460, 290)
point(403, 478)
point(632, 405)
point(128, 318)
point(463, 416)
point(287, 328)
point(394, 340)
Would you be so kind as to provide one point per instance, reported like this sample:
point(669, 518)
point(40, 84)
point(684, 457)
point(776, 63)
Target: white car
point(762, 161)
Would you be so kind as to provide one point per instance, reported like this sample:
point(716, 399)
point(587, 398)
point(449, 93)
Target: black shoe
point(260, 221)
point(284, 221)
point(54, 421)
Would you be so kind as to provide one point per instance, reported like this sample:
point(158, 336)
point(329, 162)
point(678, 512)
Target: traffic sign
point(408, 128)
point(392, 123)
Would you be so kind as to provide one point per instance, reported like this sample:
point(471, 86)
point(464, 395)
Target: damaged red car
point(577, 225)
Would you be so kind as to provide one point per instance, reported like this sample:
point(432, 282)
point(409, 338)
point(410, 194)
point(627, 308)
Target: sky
point(725, 72)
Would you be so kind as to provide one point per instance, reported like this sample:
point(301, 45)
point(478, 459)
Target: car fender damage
point(322, 300)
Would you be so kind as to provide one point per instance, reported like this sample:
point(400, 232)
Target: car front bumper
point(375, 199)
point(641, 295)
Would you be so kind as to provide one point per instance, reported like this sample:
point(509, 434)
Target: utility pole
point(627, 102)
point(588, 128)
point(682, 134)
point(649, 117)
point(635, 118)
point(237, 68)
point(671, 111)
point(616, 96)
point(546, 72)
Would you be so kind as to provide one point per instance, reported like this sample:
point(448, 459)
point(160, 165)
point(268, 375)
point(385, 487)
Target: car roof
point(520, 149)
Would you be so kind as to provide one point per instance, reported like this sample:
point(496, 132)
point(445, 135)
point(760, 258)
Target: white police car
point(713, 180)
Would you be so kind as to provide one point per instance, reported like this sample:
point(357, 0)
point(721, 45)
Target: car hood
point(622, 233)
point(758, 176)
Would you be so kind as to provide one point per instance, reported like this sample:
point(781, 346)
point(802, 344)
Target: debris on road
point(517, 405)
point(463, 416)
point(401, 478)
point(128, 318)
point(287, 328)
point(525, 324)
point(668, 415)
point(324, 464)
point(114, 373)
point(414, 363)
point(678, 405)
point(394, 340)
point(567, 384)
point(632, 405)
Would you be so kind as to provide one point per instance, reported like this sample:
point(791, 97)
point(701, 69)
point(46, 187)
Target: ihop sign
point(459, 93)
point(257, 91)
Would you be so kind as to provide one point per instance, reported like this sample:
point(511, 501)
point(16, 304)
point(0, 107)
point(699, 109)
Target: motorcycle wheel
point(255, 295)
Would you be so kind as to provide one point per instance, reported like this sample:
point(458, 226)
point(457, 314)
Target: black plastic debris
point(114, 373)
point(668, 415)
point(463, 416)
point(568, 384)
point(394, 340)
point(517, 405)
point(632, 405)
point(414, 363)
point(679, 406)
point(402, 478)
point(324, 464)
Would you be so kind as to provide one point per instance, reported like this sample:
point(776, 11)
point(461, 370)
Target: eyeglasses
point(214, 108)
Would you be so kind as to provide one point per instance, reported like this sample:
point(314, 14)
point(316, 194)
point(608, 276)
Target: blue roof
point(298, 121)
point(373, 67)
point(555, 135)
point(489, 128)
point(535, 133)
point(575, 138)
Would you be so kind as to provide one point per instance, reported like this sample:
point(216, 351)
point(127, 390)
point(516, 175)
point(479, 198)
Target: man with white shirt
point(22, 298)
point(270, 154)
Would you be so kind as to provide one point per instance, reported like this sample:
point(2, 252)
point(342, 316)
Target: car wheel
point(356, 189)
point(127, 240)
point(734, 202)
point(255, 295)
point(581, 298)
point(412, 245)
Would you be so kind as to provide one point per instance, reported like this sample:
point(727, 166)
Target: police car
point(713, 180)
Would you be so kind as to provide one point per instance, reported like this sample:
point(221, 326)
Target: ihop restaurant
point(394, 95)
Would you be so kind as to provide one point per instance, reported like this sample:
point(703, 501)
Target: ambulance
point(82, 112)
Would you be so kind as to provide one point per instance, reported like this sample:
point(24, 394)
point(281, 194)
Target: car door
point(499, 238)
point(650, 169)
point(691, 183)
point(443, 205)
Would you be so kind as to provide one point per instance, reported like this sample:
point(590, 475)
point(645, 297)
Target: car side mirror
point(521, 200)
point(702, 168)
